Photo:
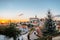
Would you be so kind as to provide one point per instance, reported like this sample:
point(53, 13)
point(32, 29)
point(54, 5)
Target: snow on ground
point(2, 37)
point(56, 38)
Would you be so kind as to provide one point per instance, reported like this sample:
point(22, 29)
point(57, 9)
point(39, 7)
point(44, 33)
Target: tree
point(49, 27)
point(12, 31)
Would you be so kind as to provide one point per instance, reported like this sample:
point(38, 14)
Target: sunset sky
point(29, 8)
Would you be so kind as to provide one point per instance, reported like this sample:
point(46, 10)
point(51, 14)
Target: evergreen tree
point(12, 31)
point(49, 27)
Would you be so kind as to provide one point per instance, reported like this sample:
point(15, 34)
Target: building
point(34, 21)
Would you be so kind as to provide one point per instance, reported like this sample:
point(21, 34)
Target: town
point(29, 19)
point(34, 29)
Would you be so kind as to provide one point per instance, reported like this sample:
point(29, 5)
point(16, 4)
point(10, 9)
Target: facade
point(34, 21)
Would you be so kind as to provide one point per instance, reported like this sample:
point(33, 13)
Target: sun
point(3, 21)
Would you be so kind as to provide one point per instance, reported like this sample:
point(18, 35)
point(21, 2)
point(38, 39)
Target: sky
point(29, 8)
